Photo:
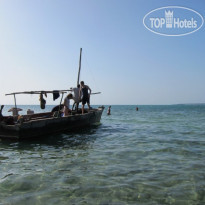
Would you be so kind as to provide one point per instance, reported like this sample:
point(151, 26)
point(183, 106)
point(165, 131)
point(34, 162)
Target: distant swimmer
point(109, 110)
point(137, 108)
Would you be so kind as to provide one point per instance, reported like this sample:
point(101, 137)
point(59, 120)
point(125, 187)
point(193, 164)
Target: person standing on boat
point(85, 95)
point(76, 96)
point(66, 108)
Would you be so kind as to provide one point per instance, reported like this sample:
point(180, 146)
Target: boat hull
point(40, 127)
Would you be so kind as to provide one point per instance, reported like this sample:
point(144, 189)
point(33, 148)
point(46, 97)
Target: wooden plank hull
point(50, 125)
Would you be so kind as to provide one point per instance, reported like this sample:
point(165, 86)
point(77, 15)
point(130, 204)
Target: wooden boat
point(40, 124)
point(46, 123)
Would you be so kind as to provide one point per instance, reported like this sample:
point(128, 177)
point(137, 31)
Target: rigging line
point(100, 97)
point(85, 57)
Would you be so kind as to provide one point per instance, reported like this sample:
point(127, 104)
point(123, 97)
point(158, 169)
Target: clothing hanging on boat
point(56, 95)
point(42, 101)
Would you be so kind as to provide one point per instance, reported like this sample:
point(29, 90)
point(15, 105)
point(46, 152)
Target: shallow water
point(153, 156)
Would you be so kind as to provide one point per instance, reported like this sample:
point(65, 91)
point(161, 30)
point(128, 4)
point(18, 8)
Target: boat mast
point(79, 67)
point(15, 101)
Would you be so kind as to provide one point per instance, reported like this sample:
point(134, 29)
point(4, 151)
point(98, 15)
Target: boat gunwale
point(18, 125)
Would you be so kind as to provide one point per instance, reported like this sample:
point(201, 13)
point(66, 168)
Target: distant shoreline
point(116, 104)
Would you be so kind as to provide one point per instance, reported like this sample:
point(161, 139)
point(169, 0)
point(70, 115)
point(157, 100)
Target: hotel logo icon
point(169, 18)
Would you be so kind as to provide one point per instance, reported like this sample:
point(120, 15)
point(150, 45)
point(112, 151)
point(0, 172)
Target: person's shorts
point(85, 100)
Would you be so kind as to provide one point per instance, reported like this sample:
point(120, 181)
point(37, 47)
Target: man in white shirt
point(66, 109)
point(76, 96)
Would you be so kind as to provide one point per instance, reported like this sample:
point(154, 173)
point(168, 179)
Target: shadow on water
point(81, 139)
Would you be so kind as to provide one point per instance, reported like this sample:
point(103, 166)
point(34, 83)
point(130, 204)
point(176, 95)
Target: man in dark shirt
point(85, 95)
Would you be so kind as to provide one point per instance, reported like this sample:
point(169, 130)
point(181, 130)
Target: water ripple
point(153, 156)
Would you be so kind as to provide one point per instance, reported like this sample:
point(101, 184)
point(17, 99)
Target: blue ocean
point(155, 155)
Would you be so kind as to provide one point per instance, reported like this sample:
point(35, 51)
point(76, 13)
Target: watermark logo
point(169, 18)
point(173, 21)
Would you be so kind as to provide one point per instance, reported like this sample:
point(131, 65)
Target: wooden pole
point(38, 92)
point(15, 101)
point(79, 67)
point(95, 93)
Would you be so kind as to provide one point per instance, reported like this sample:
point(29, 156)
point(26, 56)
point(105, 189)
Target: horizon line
point(112, 104)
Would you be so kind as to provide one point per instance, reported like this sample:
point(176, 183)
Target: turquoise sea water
point(153, 156)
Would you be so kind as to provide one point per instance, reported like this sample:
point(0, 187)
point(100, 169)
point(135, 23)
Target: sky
point(40, 43)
